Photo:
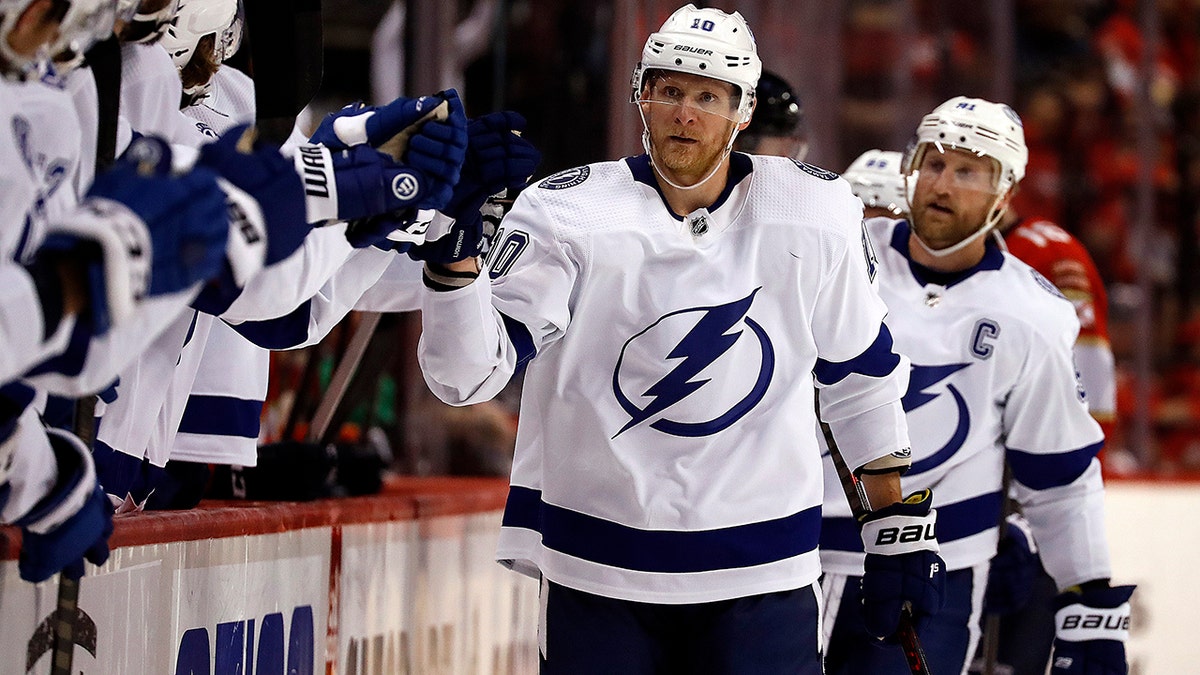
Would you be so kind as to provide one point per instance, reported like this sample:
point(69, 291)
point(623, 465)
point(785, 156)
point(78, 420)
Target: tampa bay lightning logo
point(566, 179)
point(709, 334)
point(816, 171)
point(921, 385)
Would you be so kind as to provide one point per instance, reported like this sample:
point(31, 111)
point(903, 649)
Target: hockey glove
point(142, 231)
point(72, 523)
point(257, 168)
point(428, 134)
point(1013, 570)
point(1091, 627)
point(498, 158)
point(902, 565)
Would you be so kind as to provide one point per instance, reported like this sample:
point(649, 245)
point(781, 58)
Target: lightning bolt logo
point(712, 336)
point(920, 381)
point(923, 378)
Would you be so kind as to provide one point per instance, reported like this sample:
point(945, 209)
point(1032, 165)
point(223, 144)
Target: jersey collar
point(993, 259)
point(740, 166)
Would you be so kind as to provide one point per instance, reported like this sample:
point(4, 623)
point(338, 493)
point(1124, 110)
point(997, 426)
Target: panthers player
point(671, 310)
point(992, 382)
point(875, 178)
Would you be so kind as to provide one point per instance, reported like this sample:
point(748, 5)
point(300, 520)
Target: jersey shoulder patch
point(1045, 284)
point(816, 171)
point(566, 179)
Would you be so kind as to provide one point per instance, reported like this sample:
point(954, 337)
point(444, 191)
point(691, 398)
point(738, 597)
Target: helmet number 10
point(704, 25)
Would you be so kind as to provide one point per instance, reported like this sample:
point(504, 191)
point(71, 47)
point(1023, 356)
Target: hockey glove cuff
point(72, 523)
point(902, 565)
point(1091, 627)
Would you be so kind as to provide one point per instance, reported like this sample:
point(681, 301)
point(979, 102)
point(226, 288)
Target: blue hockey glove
point(390, 231)
point(465, 238)
point(72, 523)
point(1013, 570)
point(428, 134)
point(142, 231)
point(1091, 627)
point(498, 158)
point(902, 564)
point(257, 168)
point(361, 182)
point(357, 123)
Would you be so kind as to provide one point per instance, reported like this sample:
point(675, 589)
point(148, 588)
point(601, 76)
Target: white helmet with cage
point(875, 178)
point(978, 126)
point(705, 42)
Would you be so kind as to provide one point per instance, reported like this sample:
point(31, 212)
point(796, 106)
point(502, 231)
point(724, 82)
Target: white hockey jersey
point(992, 379)
point(667, 449)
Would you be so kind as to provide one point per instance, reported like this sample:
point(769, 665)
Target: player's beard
point(939, 229)
point(688, 163)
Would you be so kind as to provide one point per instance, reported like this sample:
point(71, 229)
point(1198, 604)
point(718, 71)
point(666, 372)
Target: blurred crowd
point(1073, 71)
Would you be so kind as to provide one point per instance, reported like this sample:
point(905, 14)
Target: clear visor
point(941, 168)
point(700, 95)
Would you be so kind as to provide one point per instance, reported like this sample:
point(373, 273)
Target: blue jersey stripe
point(662, 551)
point(283, 332)
point(521, 339)
point(954, 521)
point(221, 416)
point(1041, 472)
point(877, 361)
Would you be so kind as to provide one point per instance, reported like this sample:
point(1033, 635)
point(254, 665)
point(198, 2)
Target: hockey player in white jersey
point(91, 266)
point(875, 178)
point(671, 310)
point(992, 382)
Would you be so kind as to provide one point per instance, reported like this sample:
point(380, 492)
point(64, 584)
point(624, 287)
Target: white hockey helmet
point(146, 20)
point(982, 127)
point(195, 20)
point(875, 178)
point(705, 42)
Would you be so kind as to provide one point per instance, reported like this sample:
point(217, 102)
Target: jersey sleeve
point(312, 320)
point(474, 338)
point(860, 376)
point(1052, 444)
point(279, 289)
point(90, 364)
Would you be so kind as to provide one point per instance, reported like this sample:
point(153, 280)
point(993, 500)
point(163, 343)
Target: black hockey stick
point(286, 59)
point(104, 58)
point(860, 506)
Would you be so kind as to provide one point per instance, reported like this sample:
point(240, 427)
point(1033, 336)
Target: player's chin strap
point(988, 226)
point(662, 175)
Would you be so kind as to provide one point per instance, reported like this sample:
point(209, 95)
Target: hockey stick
point(104, 58)
point(346, 368)
point(286, 57)
point(991, 622)
point(860, 506)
